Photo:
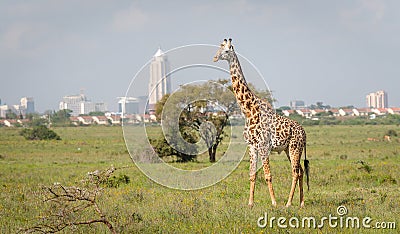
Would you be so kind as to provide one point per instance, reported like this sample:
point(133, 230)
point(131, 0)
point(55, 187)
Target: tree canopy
point(194, 117)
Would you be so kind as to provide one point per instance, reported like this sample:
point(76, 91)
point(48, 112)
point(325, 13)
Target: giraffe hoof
point(251, 205)
point(302, 205)
point(288, 205)
point(274, 203)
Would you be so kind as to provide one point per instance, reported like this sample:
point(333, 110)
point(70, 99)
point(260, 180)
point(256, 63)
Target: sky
point(331, 51)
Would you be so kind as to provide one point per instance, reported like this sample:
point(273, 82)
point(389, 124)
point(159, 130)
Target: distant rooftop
point(159, 53)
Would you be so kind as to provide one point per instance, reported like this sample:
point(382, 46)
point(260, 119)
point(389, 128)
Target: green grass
point(142, 206)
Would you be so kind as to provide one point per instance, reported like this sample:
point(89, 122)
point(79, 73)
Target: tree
point(163, 148)
point(194, 113)
point(202, 112)
point(61, 117)
point(10, 114)
point(96, 113)
point(198, 112)
point(319, 105)
point(160, 105)
point(36, 120)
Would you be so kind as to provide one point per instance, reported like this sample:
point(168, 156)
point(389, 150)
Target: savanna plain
point(350, 166)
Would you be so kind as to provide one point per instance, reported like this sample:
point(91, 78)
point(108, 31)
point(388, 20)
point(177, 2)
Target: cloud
point(376, 9)
point(23, 39)
point(130, 19)
point(365, 14)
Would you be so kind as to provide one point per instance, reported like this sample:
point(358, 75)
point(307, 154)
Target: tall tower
point(160, 83)
point(28, 105)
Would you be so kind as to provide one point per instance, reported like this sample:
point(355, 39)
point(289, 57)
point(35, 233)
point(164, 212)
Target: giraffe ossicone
point(265, 131)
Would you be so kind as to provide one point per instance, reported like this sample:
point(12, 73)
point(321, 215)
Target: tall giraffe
point(265, 131)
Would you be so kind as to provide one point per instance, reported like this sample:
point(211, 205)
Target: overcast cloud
point(330, 51)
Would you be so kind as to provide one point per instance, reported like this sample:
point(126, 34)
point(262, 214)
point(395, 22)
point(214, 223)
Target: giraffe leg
point(301, 187)
point(252, 187)
point(268, 178)
point(296, 171)
point(293, 188)
point(253, 173)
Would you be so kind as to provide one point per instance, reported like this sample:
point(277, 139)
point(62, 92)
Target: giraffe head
point(225, 51)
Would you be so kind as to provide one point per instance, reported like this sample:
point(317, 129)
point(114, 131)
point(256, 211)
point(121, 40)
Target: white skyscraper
point(378, 99)
point(73, 103)
point(128, 105)
point(79, 104)
point(28, 105)
point(160, 83)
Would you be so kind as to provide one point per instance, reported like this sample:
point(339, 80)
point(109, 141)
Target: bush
point(39, 133)
point(163, 148)
point(391, 133)
point(115, 182)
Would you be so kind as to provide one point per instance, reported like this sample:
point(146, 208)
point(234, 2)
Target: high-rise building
point(132, 105)
point(128, 105)
point(73, 103)
point(160, 80)
point(79, 104)
point(4, 109)
point(296, 104)
point(28, 104)
point(378, 99)
point(87, 107)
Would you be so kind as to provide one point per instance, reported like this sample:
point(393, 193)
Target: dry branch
point(69, 203)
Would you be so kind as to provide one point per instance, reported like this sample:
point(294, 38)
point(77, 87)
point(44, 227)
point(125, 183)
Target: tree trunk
point(211, 153)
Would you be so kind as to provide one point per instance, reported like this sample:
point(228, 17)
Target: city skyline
point(332, 52)
point(378, 99)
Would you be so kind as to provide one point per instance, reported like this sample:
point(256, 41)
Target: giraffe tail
point(306, 166)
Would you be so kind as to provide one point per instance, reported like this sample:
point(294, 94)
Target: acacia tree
point(210, 128)
point(202, 111)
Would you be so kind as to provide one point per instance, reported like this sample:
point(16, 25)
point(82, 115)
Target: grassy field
point(367, 189)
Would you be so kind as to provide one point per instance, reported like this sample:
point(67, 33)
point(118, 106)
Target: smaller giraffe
point(266, 131)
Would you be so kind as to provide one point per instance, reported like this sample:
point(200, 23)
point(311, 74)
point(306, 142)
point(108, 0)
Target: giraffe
point(266, 131)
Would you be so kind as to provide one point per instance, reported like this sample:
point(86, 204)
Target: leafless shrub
point(69, 205)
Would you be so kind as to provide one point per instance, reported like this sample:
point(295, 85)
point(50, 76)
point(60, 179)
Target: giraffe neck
point(245, 97)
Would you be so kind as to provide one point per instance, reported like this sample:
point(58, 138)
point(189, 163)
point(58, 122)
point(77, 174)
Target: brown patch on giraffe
point(242, 89)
